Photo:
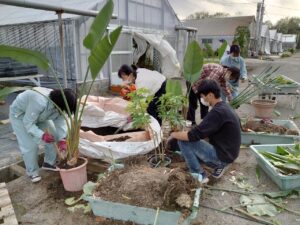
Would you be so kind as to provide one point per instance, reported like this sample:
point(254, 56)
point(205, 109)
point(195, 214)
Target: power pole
point(262, 11)
point(257, 35)
point(259, 22)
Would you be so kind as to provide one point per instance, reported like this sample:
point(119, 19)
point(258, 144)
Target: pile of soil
point(268, 127)
point(168, 189)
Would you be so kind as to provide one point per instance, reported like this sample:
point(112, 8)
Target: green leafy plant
point(4, 92)
point(100, 46)
point(137, 108)
point(171, 104)
point(242, 38)
point(222, 49)
point(286, 159)
point(192, 67)
point(262, 81)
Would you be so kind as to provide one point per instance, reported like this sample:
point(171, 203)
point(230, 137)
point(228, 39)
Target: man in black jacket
point(221, 126)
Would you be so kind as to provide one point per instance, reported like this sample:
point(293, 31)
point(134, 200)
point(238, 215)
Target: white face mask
point(234, 58)
point(204, 102)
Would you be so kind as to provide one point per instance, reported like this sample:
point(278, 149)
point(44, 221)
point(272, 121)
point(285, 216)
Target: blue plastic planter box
point(284, 182)
point(249, 138)
point(140, 215)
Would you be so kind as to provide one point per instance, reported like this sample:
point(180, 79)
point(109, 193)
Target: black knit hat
point(234, 49)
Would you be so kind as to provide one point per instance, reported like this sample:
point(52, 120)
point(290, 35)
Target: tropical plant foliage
point(262, 81)
point(286, 159)
point(242, 37)
point(171, 104)
point(100, 46)
point(192, 62)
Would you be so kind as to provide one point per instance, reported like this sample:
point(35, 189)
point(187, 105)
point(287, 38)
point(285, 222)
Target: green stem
point(282, 207)
point(231, 190)
point(253, 217)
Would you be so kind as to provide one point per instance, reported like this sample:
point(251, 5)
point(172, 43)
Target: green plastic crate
point(283, 182)
point(249, 138)
point(140, 215)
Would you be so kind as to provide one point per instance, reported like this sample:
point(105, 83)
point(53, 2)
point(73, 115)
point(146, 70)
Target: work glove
point(48, 138)
point(62, 145)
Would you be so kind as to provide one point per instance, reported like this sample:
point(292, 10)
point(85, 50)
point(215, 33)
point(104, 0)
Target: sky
point(274, 9)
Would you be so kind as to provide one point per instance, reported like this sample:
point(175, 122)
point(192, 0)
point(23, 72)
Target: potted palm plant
point(100, 46)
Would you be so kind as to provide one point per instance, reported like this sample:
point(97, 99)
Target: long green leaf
point(99, 26)
point(4, 92)
point(102, 50)
point(222, 49)
point(25, 55)
point(173, 87)
point(193, 62)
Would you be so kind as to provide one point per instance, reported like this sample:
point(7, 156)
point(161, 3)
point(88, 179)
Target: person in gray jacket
point(36, 120)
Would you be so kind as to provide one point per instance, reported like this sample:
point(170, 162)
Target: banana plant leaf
point(25, 55)
point(99, 26)
point(102, 50)
point(192, 62)
point(222, 49)
point(257, 205)
point(173, 87)
point(4, 92)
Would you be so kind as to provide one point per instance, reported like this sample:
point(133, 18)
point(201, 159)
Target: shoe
point(47, 166)
point(201, 177)
point(35, 178)
point(218, 172)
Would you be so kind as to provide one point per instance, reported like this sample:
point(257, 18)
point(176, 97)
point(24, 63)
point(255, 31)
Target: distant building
point(274, 41)
point(289, 41)
point(211, 30)
point(279, 42)
point(265, 40)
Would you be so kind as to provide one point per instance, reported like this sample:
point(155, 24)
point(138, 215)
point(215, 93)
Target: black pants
point(153, 105)
point(193, 105)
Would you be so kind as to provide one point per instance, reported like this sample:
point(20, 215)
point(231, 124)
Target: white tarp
point(170, 65)
point(97, 115)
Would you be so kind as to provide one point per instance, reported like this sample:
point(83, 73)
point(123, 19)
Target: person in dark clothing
point(153, 81)
point(221, 126)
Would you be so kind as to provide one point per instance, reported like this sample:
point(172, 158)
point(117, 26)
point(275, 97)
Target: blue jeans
point(194, 152)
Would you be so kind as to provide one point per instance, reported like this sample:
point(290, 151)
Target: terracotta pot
point(263, 108)
point(74, 179)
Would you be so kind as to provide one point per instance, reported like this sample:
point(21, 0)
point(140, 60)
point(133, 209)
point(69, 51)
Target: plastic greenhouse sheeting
point(170, 64)
point(103, 112)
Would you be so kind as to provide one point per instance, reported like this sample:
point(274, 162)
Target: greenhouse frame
point(151, 20)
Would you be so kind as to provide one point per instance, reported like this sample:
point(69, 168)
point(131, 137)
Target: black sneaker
point(47, 166)
point(219, 171)
point(35, 178)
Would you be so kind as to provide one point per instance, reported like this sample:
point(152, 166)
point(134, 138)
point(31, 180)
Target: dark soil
point(120, 139)
point(135, 161)
point(268, 127)
point(146, 187)
point(63, 164)
point(106, 130)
